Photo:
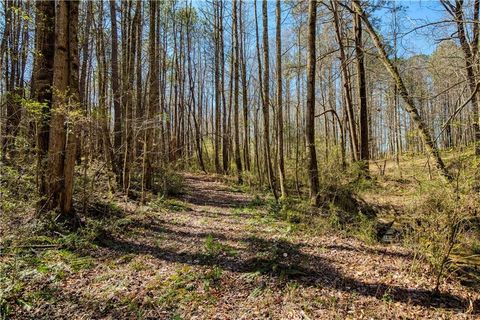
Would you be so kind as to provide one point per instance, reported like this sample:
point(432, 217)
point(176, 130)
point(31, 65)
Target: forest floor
point(215, 253)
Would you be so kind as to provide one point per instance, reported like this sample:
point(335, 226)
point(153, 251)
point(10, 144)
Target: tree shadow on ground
point(361, 249)
point(285, 262)
point(215, 198)
point(213, 195)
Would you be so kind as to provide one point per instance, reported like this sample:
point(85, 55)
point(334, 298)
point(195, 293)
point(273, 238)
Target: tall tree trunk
point(128, 78)
point(281, 161)
point(236, 133)
point(42, 90)
point(362, 91)
point(83, 72)
point(310, 111)
point(12, 80)
point(469, 51)
point(63, 132)
point(346, 84)
point(243, 57)
point(225, 136)
point(117, 109)
point(218, 109)
point(260, 86)
point(153, 97)
point(266, 101)
point(102, 94)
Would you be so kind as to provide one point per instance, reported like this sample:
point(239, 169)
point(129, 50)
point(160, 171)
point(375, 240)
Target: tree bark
point(117, 109)
point(310, 111)
point(246, 139)
point(281, 161)
point(346, 84)
point(42, 89)
point(153, 97)
point(236, 132)
point(362, 91)
point(63, 132)
point(266, 101)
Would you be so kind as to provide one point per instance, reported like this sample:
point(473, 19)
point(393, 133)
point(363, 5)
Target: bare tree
point(281, 160)
point(310, 111)
point(266, 101)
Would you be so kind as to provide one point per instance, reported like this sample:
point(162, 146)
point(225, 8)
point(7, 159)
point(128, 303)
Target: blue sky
point(416, 13)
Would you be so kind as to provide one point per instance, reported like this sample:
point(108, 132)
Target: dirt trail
point(212, 255)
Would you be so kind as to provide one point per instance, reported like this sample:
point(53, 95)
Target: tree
point(225, 135)
point(236, 132)
point(153, 96)
point(63, 129)
point(310, 107)
point(117, 109)
point(243, 66)
point(281, 160)
point(102, 94)
point(42, 88)
point(261, 90)
point(16, 35)
point(346, 83)
point(362, 90)
point(218, 129)
point(266, 101)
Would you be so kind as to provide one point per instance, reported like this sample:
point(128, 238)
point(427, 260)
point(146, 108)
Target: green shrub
point(170, 182)
point(441, 220)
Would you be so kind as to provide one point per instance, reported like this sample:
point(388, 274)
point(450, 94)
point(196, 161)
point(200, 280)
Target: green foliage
point(213, 276)
point(186, 286)
point(365, 228)
point(213, 247)
point(17, 191)
point(170, 182)
point(28, 277)
point(257, 201)
point(442, 217)
point(274, 207)
point(33, 107)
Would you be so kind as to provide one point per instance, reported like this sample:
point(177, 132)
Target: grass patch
point(29, 278)
point(186, 286)
point(170, 204)
point(214, 248)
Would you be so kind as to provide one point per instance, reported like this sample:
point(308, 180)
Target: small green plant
point(212, 246)
point(475, 247)
point(257, 201)
point(387, 297)
point(274, 208)
point(365, 229)
point(213, 276)
point(171, 183)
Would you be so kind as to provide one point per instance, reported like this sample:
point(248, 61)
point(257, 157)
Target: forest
point(234, 159)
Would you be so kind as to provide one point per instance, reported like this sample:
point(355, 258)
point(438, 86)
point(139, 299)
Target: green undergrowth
point(31, 275)
point(169, 204)
point(213, 248)
point(186, 286)
point(341, 211)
